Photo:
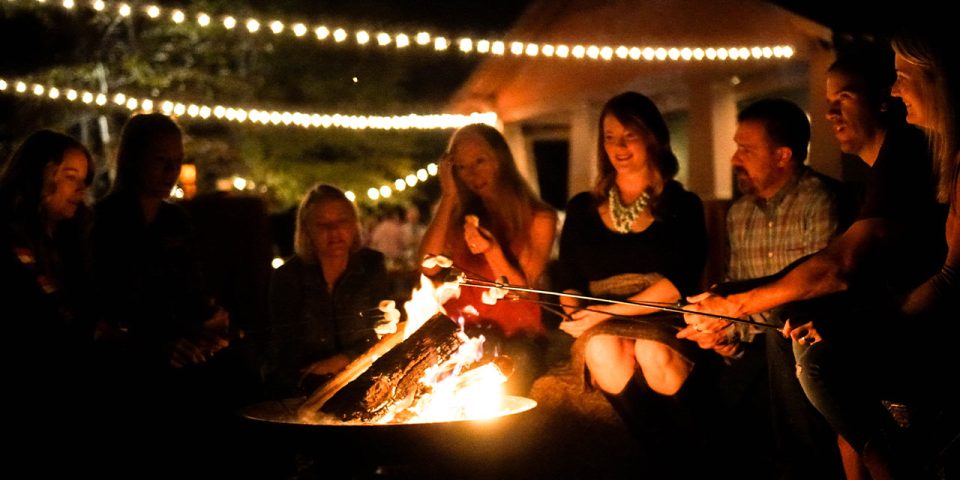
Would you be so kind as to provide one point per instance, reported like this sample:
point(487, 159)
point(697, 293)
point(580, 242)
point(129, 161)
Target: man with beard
point(895, 243)
point(787, 211)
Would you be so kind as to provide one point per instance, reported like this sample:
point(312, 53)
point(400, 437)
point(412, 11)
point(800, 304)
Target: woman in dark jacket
point(324, 299)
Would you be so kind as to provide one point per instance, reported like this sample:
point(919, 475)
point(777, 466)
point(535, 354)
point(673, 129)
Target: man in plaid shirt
point(787, 212)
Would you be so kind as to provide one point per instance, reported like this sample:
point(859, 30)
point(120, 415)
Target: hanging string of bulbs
point(360, 37)
point(323, 33)
point(240, 115)
point(243, 115)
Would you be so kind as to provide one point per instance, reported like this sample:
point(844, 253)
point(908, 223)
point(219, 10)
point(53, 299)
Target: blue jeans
point(835, 380)
point(868, 354)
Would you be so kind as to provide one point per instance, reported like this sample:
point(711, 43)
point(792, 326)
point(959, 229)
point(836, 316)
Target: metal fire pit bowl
point(457, 446)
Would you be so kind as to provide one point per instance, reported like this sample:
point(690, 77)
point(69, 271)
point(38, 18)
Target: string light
point(464, 44)
point(121, 100)
point(363, 37)
point(399, 185)
point(253, 115)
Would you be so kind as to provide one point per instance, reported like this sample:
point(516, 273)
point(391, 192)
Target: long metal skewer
point(654, 306)
point(558, 310)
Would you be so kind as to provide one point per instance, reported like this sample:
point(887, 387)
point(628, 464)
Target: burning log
point(350, 373)
point(393, 379)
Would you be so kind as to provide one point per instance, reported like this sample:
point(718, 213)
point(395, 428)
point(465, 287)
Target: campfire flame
point(456, 390)
point(427, 301)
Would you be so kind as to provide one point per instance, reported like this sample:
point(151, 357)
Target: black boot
point(665, 425)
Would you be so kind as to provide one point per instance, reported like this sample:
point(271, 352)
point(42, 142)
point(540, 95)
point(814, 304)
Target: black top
point(308, 323)
point(43, 280)
point(674, 245)
point(148, 275)
point(46, 334)
point(902, 189)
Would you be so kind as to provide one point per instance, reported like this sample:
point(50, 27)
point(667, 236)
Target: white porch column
point(713, 121)
point(522, 153)
point(583, 148)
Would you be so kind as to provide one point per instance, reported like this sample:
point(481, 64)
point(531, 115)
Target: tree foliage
point(105, 52)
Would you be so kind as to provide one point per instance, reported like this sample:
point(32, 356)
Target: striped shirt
point(767, 235)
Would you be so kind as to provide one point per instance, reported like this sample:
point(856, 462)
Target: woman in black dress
point(639, 236)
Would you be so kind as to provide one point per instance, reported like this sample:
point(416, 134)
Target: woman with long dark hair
point(42, 190)
point(638, 236)
point(47, 327)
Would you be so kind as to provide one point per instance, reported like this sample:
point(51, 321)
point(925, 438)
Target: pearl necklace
point(622, 215)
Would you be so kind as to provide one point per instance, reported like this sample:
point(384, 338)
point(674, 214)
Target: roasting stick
point(472, 282)
point(558, 310)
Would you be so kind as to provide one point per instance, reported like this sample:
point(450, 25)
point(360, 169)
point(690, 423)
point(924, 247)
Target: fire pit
point(285, 412)
point(477, 448)
point(425, 395)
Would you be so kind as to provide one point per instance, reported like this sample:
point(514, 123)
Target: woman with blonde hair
point(322, 300)
point(492, 224)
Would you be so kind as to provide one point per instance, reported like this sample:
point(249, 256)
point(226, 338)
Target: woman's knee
point(652, 354)
point(610, 362)
point(604, 350)
point(664, 368)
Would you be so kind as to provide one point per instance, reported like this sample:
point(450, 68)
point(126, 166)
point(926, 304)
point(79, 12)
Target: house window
point(552, 159)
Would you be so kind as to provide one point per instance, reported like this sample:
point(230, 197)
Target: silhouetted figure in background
point(163, 324)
